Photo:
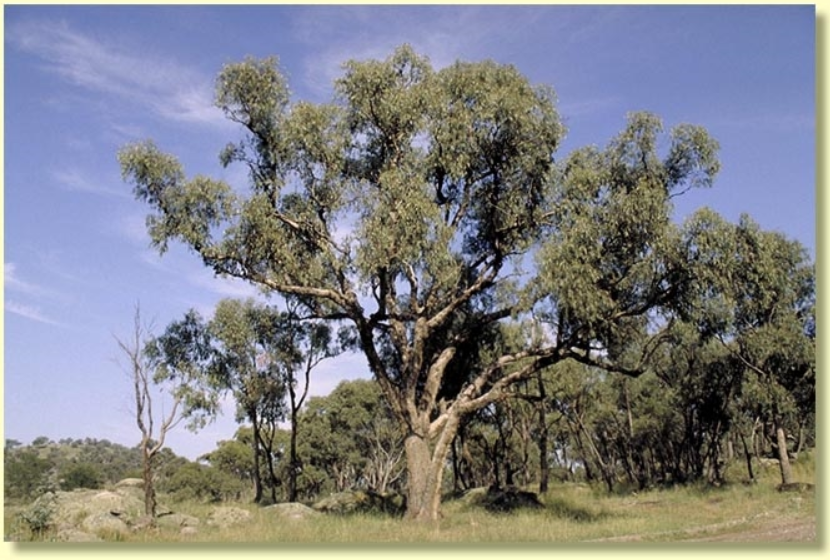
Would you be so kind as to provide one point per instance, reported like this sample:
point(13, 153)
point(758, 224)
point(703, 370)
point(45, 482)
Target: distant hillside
point(67, 464)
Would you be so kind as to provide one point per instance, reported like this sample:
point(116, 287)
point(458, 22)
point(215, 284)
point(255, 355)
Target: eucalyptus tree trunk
point(544, 434)
point(425, 462)
point(150, 503)
point(783, 456)
point(293, 462)
point(255, 449)
point(748, 457)
point(267, 446)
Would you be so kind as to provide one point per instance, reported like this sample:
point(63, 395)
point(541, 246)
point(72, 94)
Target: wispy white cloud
point(169, 89)
point(15, 283)
point(589, 106)
point(29, 312)
point(75, 181)
point(133, 228)
point(179, 262)
point(431, 30)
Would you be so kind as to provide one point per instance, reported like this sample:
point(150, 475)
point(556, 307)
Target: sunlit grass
point(572, 513)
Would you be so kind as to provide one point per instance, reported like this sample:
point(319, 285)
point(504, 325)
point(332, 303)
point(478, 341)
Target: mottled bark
point(783, 455)
point(149, 489)
point(425, 463)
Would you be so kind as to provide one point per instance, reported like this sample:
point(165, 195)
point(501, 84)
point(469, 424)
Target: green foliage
point(40, 515)
point(198, 204)
point(178, 360)
point(81, 475)
point(193, 481)
point(25, 473)
point(259, 355)
point(232, 457)
point(410, 205)
point(244, 338)
point(87, 463)
point(757, 299)
point(351, 439)
point(41, 441)
point(611, 256)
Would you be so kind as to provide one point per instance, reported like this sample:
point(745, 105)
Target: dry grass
point(572, 513)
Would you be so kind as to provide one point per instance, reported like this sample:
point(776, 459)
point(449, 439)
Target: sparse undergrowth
point(735, 512)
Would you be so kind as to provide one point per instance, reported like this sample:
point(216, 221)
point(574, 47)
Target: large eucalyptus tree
point(425, 208)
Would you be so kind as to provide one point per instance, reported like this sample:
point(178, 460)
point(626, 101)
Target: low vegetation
point(570, 512)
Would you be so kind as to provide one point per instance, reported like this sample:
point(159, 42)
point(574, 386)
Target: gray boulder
point(360, 501)
point(292, 510)
point(176, 520)
point(104, 524)
point(86, 515)
point(76, 535)
point(228, 516)
point(130, 483)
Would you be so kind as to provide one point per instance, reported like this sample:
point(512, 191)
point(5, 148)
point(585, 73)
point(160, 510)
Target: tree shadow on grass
point(563, 509)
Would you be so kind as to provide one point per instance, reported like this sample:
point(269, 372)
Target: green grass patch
point(570, 513)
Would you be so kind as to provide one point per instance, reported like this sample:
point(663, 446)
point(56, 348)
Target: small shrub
point(40, 515)
point(501, 500)
point(510, 499)
point(82, 475)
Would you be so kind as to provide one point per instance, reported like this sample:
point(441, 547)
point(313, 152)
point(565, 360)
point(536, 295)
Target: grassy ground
point(573, 513)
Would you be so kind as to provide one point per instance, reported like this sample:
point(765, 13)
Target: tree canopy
point(426, 209)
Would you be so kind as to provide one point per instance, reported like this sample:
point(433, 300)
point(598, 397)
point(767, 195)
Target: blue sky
point(81, 82)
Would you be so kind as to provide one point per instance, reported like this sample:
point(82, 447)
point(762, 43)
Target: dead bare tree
point(140, 369)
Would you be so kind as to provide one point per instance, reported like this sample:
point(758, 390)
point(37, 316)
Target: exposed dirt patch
point(758, 529)
point(793, 530)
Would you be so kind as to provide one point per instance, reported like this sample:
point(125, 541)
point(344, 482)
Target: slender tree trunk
point(292, 476)
point(502, 455)
point(606, 468)
point(714, 455)
point(456, 471)
point(632, 468)
point(296, 403)
point(783, 456)
point(544, 466)
point(801, 438)
point(748, 456)
point(255, 450)
point(759, 441)
point(268, 450)
point(149, 488)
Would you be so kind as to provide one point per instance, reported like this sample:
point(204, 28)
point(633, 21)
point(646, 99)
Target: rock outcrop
point(360, 501)
point(222, 517)
point(87, 515)
point(292, 510)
